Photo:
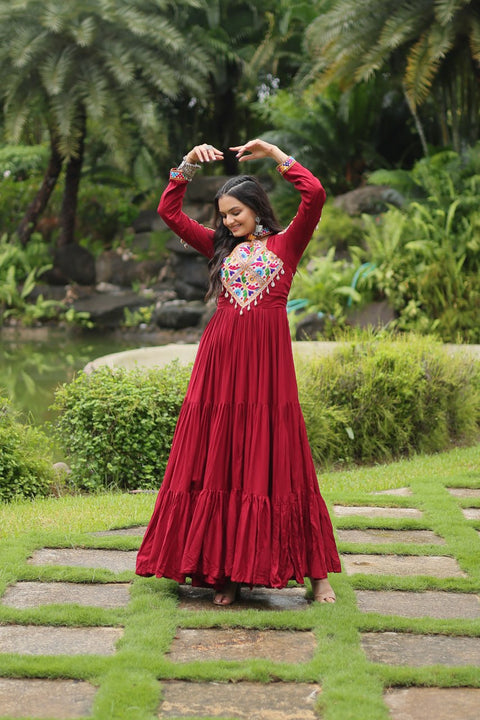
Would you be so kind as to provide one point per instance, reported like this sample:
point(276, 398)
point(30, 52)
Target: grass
point(129, 682)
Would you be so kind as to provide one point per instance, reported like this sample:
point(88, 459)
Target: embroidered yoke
point(240, 497)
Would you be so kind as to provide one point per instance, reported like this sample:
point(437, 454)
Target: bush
point(25, 465)
point(116, 426)
point(19, 161)
point(378, 400)
point(368, 402)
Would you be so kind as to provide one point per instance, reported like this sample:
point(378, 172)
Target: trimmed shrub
point(25, 466)
point(116, 425)
point(368, 402)
point(387, 399)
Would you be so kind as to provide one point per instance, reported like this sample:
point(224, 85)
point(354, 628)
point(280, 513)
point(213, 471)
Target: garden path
point(81, 637)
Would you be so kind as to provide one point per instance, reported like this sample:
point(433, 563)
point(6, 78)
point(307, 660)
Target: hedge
point(367, 402)
point(25, 462)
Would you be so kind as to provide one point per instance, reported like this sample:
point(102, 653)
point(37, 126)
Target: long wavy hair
point(249, 191)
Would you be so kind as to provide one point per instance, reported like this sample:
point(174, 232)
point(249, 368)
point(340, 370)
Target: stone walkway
point(208, 637)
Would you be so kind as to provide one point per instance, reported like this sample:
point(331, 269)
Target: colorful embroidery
point(283, 167)
point(177, 175)
point(248, 272)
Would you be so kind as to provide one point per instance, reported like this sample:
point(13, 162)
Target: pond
point(33, 364)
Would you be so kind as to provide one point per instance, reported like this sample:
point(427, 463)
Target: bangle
point(187, 169)
point(285, 165)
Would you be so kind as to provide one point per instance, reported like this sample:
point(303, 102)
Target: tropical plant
point(254, 47)
point(432, 46)
point(90, 64)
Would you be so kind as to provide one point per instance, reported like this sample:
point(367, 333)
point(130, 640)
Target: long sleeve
point(190, 231)
point(291, 243)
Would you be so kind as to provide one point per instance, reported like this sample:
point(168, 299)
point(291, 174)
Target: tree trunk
point(39, 203)
point(417, 122)
point(73, 172)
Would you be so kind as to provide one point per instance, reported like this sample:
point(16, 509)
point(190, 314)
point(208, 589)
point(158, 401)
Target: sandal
point(322, 591)
point(227, 595)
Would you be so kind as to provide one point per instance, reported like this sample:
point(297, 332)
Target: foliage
point(427, 256)
point(336, 229)
point(339, 135)
point(369, 402)
point(381, 399)
point(78, 68)
point(20, 161)
point(25, 462)
point(326, 286)
point(116, 426)
point(104, 210)
point(20, 271)
point(432, 46)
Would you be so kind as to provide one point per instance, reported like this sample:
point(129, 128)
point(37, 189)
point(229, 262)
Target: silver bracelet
point(187, 169)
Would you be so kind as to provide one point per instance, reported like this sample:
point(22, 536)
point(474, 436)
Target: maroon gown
point(240, 496)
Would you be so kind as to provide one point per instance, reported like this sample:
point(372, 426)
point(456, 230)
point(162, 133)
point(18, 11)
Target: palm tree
point(90, 62)
point(250, 43)
point(433, 45)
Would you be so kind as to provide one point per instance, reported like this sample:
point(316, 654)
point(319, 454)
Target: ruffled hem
point(210, 536)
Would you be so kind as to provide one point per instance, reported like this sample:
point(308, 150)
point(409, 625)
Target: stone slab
point(242, 644)
point(34, 594)
point(465, 492)
point(377, 536)
point(393, 648)
point(243, 700)
point(375, 511)
point(439, 703)
point(471, 513)
point(138, 530)
point(196, 599)
point(399, 492)
point(43, 640)
point(62, 699)
point(404, 565)
point(114, 560)
point(442, 605)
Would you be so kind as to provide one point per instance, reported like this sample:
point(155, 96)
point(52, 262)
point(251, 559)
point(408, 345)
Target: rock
point(191, 269)
point(148, 220)
point(178, 314)
point(75, 263)
point(375, 314)
point(186, 291)
point(108, 310)
point(310, 326)
point(369, 199)
point(111, 267)
point(48, 292)
point(61, 469)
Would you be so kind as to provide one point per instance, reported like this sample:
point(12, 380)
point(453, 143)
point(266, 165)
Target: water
point(33, 364)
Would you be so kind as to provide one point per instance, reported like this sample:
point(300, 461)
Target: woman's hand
point(258, 149)
point(203, 153)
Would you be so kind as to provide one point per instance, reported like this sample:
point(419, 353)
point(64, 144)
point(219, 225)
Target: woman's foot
point(322, 591)
point(227, 595)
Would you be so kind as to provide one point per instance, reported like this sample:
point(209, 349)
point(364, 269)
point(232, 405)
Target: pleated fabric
point(240, 497)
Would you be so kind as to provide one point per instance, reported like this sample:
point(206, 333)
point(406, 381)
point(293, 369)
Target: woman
point(240, 501)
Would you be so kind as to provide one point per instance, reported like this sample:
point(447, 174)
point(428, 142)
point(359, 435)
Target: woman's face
point(236, 216)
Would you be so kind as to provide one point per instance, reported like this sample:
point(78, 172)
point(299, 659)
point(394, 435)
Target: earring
point(260, 230)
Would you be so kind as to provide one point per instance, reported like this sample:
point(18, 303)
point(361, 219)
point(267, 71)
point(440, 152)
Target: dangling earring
point(260, 230)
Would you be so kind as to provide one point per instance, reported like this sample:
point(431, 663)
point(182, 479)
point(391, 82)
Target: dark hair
point(250, 192)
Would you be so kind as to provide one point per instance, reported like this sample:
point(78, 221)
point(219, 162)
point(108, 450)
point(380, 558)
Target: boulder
point(189, 292)
point(375, 314)
point(310, 327)
point(191, 269)
point(178, 314)
point(75, 263)
point(371, 199)
point(107, 311)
